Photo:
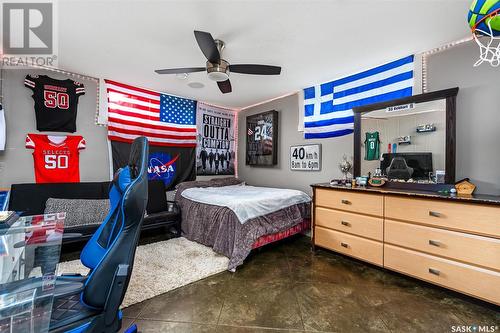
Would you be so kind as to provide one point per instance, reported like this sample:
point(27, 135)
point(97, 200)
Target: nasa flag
point(168, 122)
point(172, 165)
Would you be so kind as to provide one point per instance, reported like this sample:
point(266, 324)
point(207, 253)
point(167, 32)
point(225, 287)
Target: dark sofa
point(30, 199)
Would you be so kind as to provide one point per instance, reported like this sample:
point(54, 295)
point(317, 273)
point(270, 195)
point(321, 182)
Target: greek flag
point(328, 106)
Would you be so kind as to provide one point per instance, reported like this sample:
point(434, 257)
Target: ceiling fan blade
point(180, 70)
point(255, 69)
point(224, 86)
point(207, 45)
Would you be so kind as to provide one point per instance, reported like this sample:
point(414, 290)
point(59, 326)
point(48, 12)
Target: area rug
point(163, 266)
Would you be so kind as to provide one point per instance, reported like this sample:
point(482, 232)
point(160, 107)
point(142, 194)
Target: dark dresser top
point(475, 198)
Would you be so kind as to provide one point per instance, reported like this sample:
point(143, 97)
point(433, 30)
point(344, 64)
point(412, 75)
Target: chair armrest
point(72, 277)
point(66, 288)
point(72, 235)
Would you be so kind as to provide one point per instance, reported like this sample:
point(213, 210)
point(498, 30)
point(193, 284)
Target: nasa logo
point(162, 167)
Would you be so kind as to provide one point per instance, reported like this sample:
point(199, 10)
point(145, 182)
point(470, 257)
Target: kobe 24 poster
point(262, 139)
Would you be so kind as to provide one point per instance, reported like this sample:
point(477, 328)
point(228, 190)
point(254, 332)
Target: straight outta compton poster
point(216, 150)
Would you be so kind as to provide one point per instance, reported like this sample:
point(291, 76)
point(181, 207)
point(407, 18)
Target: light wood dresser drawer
point(361, 248)
point(476, 250)
point(362, 225)
point(471, 280)
point(474, 218)
point(371, 204)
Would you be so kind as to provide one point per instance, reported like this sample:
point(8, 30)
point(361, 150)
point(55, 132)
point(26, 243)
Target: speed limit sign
point(305, 157)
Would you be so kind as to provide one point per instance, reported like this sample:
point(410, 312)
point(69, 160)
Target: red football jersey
point(56, 158)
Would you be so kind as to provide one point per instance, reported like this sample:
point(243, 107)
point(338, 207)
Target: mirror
point(410, 140)
point(406, 142)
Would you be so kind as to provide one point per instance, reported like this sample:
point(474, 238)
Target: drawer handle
point(434, 271)
point(434, 243)
point(344, 245)
point(347, 224)
point(346, 202)
point(435, 214)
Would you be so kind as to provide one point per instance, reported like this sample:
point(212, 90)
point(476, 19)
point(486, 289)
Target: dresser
point(447, 240)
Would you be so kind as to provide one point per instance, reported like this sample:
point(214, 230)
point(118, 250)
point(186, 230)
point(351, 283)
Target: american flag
point(165, 120)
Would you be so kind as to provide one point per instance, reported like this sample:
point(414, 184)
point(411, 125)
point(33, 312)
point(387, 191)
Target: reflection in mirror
point(405, 143)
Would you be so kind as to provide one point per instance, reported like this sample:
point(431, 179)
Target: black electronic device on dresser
point(420, 163)
point(30, 199)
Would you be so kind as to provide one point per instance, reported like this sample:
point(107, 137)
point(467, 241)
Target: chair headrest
point(138, 157)
point(136, 167)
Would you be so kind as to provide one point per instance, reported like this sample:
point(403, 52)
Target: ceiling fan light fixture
point(218, 76)
point(218, 71)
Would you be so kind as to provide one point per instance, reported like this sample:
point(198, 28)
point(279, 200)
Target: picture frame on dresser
point(409, 105)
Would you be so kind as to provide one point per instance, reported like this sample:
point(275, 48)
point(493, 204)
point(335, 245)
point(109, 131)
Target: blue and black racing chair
point(109, 254)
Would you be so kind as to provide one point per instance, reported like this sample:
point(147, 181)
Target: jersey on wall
point(56, 102)
point(3, 128)
point(56, 158)
point(372, 146)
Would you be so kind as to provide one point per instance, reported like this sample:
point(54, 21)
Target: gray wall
point(280, 175)
point(16, 162)
point(478, 113)
point(478, 128)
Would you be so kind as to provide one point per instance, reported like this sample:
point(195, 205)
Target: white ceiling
point(313, 41)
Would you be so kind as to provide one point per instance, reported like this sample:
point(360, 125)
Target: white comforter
point(247, 202)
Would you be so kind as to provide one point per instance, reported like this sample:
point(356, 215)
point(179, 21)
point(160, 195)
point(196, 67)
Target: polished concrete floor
point(286, 288)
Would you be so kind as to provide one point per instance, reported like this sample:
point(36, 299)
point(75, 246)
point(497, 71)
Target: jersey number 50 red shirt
point(56, 158)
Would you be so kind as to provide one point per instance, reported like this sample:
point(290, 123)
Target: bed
point(234, 218)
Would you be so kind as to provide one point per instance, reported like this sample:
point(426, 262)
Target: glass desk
point(30, 248)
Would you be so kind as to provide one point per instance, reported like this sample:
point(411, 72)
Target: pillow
point(79, 212)
point(226, 181)
point(194, 183)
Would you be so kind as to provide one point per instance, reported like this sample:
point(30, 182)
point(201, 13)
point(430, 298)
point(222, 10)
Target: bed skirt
point(296, 229)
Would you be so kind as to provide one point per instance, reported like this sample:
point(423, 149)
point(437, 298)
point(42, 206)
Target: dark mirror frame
point(450, 95)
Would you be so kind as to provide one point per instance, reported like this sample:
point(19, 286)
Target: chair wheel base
point(131, 329)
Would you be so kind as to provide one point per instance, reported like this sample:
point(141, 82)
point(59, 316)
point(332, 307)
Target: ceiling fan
point(217, 68)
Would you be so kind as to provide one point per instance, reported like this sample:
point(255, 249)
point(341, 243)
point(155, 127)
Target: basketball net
point(489, 45)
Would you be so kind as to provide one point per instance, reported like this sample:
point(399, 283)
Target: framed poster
point(217, 146)
point(262, 139)
point(305, 157)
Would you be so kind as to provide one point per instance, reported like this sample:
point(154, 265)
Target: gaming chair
point(109, 255)
point(398, 169)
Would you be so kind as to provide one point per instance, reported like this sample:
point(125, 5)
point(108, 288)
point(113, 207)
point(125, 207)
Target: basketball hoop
point(488, 40)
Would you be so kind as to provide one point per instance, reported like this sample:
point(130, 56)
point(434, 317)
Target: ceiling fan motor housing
point(218, 71)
